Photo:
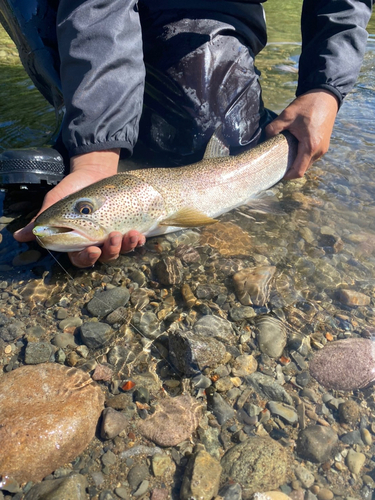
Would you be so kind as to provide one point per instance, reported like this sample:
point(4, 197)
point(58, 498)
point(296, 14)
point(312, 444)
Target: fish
point(156, 201)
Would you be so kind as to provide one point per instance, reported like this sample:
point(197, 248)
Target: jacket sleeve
point(102, 73)
point(333, 44)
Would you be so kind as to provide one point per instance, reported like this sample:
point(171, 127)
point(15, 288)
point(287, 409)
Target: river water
point(321, 246)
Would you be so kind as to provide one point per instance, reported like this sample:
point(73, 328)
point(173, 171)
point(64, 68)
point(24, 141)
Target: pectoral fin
point(216, 146)
point(187, 217)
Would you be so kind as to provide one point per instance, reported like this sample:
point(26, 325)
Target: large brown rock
point(48, 416)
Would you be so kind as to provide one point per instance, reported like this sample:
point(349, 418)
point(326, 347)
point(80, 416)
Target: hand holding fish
point(310, 118)
point(85, 170)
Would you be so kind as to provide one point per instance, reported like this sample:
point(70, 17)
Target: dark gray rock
point(113, 422)
point(213, 326)
point(352, 437)
point(148, 324)
point(286, 412)
point(193, 353)
point(96, 335)
point(70, 487)
point(231, 492)
point(242, 313)
point(37, 352)
point(219, 407)
point(136, 475)
point(317, 443)
point(106, 301)
point(10, 329)
point(268, 388)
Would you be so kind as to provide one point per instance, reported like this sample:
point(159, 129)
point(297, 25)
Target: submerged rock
point(201, 478)
point(345, 365)
point(174, 420)
point(253, 285)
point(49, 415)
point(72, 487)
point(317, 443)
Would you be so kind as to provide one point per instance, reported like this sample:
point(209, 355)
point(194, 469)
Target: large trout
point(161, 200)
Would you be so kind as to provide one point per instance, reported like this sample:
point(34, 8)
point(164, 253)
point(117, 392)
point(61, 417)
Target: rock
point(120, 356)
point(252, 285)
point(142, 488)
point(353, 299)
point(325, 494)
point(316, 443)
point(117, 316)
point(73, 322)
point(231, 492)
point(193, 353)
point(106, 301)
point(352, 437)
point(174, 420)
point(355, 461)
point(96, 334)
point(64, 411)
point(136, 475)
point(366, 437)
point(258, 464)
point(242, 313)
point(169, 271)
point(286, 412)
point(243, 365)
point(63, 340)
point(271, 336)
point(159, 494)
point(305, 477)
point(37, 352)
point(148, 323)
point(345, 365)
point(160, 464)
point(70, 487)
point(219, 407)
point(227, 238)
point(113, 423)
point(272, 495)
point(349, 412)
point(142, 395)
point(108, 458)
point(102, 372)
point(268, 388)
point(140, 298)
point(213, 326)
point(201, 477)
point(187, 254)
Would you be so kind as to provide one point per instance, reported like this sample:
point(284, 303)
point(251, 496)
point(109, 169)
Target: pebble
point(70, 323)
point(169, 271)
point(213, 326)
point(148, 324)
point(325, 494)
point(137, 475)
point(174, 420)
point(142, 488)
point(252, 285)
point(242, 313)
point(192, 353)
point(272, 495)
point(159, 494)
point(108, 459)
point(231, 492)
point(71, 487)
point(37, 352)
point(345, 365)
point(160, 464)
point(286, 412)
point(352, 437)
point(355, 461)
point(366, 437)
point(62, 416)
point(267, 460)
point(349, 412)
point(243, 365)
point(106, 301)
point(268, 388)
point(223, 384)
point(201, 478)
point(96, 334)
point(113, 422)
point(353, 298)
point(64, 340)
point(317, 443)
point(271, 336)
point(102, 372)
point(219, 407)
point(305, 477)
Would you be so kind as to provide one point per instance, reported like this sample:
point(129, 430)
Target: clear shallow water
point(336, 197)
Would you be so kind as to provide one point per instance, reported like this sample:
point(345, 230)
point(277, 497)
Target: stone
point(271, 336)
point(63, 340)
point(108, 458)
point(252, 285)
point(353, 299)
point(243, 365)
point(113, 422)
point(159, 494)
point(192, 353)
point(355, 461)
point(349, 412)
point(201, 478)
point(305, 477)
point(161, 464)
point(96, 334)
point(345, 365)
point(169, 271)
point(148, 324)
point(231, 492)
point(213, 326)
point(286, 412)
point(73, 322)
point(258, 464)
point(106, 301)
point(219, 407)
point(70, 487)
point(317, 443)
point(40, 433)
point(187, 254)
point(37, 352)
point(136, 475)
point(242, 313)
point(102, 372)
point(174, 420)
point(268, 388)
point(142, 488)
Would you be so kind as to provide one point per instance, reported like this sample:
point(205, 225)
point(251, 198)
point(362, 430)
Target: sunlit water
point(337, 195)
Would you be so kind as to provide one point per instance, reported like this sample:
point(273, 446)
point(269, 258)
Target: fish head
point(85, 218)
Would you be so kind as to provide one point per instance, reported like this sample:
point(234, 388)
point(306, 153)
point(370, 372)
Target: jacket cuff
point(101, 146)
point(302, 89)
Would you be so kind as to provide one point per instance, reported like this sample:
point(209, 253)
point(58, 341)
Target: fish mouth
point(65, 238)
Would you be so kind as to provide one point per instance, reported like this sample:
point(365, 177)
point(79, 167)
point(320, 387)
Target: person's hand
point(310, 118)
point(85, 170)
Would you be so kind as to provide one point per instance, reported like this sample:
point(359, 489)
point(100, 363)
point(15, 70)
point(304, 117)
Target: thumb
point(25, 234)
point(275, 127)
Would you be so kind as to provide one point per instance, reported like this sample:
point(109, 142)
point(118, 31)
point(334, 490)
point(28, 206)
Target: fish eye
point(84, 207)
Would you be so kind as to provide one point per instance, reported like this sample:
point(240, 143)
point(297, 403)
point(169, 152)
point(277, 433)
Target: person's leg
point(32, 26)
point(201, 74)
